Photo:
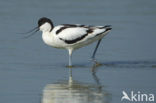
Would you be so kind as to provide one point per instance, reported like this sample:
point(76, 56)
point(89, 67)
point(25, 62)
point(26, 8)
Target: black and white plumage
point(69, 36)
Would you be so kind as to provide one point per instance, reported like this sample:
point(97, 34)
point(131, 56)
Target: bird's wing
point(74, 33)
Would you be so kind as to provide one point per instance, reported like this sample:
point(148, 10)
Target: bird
point(70, 36)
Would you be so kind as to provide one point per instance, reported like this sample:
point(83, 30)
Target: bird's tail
point(107, 27)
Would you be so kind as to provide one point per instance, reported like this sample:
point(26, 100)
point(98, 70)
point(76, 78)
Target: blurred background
point(127, 53)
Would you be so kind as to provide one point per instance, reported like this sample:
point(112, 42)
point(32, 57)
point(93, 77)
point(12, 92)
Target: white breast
point(51, 40)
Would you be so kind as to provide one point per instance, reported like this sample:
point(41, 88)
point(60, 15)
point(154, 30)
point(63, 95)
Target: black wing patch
point(77, 39)
point(65, 26)
point(74, 40)
point(107, 27)
point(62, 28)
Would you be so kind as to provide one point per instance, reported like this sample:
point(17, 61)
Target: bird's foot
point(96, 63)
point(69, 66)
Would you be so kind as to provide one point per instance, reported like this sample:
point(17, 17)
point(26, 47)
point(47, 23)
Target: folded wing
point(76, 33)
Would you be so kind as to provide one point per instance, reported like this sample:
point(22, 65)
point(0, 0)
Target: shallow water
point(127, 54)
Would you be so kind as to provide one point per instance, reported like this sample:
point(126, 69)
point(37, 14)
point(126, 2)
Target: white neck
point(47, 38)
point(46, 27)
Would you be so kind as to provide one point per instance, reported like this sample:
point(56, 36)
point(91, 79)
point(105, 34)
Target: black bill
point(31, 32)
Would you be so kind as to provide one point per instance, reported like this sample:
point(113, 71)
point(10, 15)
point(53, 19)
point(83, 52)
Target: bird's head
point(44, 25)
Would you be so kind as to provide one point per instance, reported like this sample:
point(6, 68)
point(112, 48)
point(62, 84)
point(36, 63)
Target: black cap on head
point(43, 20)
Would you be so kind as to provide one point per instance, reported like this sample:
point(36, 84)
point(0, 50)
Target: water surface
point(127, 54)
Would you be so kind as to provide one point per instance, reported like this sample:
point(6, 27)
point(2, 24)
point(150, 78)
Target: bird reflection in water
point(72, 91)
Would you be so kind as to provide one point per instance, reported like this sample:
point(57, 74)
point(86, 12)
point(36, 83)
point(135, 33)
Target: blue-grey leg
point(97, 45)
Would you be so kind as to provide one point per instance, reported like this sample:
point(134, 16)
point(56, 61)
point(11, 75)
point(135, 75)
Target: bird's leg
point(97, 45)
point(70, 57)
point(93, 56)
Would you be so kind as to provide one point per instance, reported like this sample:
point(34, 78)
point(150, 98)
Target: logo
point(137, 96)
